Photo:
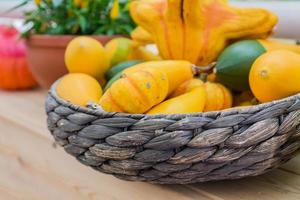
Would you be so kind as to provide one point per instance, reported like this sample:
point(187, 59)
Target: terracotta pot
point(45, 56)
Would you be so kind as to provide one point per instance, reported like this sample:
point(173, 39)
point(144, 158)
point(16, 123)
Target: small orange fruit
point(79, 89)
point(87, 55)
point(275, 75)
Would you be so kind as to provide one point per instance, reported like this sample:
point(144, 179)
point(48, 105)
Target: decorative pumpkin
point(197, 31)
point(14, 71)
point(218, 97)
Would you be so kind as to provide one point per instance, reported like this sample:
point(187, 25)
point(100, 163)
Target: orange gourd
point(218, 97)
point(14, 71)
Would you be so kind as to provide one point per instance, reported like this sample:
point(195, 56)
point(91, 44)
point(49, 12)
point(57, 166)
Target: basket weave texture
point(178, 149)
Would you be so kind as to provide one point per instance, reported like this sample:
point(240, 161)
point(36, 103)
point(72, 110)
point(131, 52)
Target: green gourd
point(234, 63)
point(120, 67)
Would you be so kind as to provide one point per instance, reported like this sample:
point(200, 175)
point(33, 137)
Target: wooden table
point(32, 168)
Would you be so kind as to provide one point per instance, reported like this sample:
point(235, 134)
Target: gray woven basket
point(178, 149)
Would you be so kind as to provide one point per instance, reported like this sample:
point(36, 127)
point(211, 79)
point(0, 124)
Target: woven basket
point(178, 149)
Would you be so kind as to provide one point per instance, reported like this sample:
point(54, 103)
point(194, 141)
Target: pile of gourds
point(167, 87)
point(211, 57)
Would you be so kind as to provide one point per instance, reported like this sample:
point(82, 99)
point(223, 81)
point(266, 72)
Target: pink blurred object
point(11, 45)
point(14, 71)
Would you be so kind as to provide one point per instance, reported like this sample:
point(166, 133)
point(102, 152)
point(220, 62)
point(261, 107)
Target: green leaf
point(83, 23)
point(71, 19)
point(110, 32)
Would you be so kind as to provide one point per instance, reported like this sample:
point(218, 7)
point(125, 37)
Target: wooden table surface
point(31, 168)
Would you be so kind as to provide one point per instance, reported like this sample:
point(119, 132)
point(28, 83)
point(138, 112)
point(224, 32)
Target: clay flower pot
point(46, 56)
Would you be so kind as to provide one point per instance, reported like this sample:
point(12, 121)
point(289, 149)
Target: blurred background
point(51, 26)
point(32, 169)
point(287, 10)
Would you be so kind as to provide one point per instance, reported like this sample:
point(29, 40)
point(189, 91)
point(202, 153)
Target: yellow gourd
point(177, 71)
point(189, 97)
point(79, 89)
point(136, 92)
point(197, 31)
point(275, 75)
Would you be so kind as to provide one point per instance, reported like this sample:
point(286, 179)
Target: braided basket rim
point(246, 109)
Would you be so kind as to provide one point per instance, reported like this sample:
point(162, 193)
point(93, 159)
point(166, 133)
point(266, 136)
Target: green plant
point(79, 17)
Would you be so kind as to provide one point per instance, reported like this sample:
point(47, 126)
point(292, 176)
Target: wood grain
point(31, 168)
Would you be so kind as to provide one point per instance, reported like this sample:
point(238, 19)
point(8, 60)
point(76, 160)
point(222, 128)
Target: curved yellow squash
point(190, 102)
point(136, 92)
point(177, 71)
